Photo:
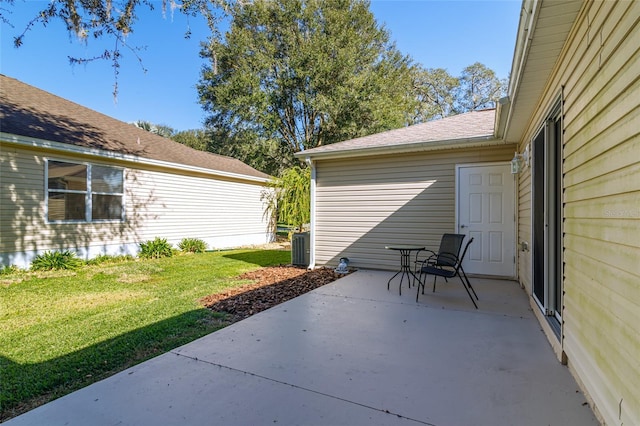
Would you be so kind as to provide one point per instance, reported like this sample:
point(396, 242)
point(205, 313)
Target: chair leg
point(469, 283)
point(420, 284)
point(435, 277)
point(468, 292)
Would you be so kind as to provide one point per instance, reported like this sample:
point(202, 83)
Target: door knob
point(463, 226)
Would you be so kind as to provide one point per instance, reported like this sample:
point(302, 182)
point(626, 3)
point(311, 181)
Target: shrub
point(192, 245)
point(155, 249)
point(54, 260)
point(108, 258)
point(9, 269)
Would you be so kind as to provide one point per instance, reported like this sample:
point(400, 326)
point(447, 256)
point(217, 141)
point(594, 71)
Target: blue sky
point(438, 34)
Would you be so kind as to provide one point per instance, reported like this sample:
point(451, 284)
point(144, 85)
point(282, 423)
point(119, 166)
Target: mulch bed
point(273, 285)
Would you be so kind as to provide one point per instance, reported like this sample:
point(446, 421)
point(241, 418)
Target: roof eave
point(475, 142)
point(527, 50)
point(528, 16)
point(29, 142)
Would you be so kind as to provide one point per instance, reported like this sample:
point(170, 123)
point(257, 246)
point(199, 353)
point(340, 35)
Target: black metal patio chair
point(447, 266)
point(448, 252)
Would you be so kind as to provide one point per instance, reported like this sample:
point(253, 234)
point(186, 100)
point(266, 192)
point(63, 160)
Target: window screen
point(84, 192)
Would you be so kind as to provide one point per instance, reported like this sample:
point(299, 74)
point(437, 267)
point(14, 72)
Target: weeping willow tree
point(288, 198)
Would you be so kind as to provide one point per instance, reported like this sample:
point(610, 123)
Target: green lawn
point(60, 331)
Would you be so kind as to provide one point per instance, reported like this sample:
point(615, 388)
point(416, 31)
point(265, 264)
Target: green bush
point(155, 249)
point(9, 269)
point(192, 245)
point(54, 260)
point(108, 258)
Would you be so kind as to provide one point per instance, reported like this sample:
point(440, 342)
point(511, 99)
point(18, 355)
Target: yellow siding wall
point(224, 213)
point(525, 261)
point(600, 72)
point(21, 200)
point(363, 204)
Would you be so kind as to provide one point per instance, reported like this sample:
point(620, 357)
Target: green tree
point(304, 73)
point(195, 138)
point(479, 88)
point(262, 154)
point(244, 146)
point(289, 197)
point(158, 129)
point(436, 91)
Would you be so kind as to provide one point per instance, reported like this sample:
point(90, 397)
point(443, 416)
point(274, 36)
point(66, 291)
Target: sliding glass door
point(547, 216)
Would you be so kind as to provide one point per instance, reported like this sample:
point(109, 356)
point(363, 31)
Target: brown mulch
point(273, 285)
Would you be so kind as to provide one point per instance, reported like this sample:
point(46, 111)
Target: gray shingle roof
point(31, 112)
point(463, 127)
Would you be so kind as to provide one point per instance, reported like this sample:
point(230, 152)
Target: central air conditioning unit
point(300, 249)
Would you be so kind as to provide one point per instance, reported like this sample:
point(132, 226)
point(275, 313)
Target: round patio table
point(405, 263)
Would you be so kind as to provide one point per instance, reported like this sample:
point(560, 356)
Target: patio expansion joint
point(528, 316)
point(365, 299)
point(302, 388)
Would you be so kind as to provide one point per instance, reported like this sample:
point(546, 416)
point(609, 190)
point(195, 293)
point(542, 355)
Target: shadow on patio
point(462, 366)
point(350, 353)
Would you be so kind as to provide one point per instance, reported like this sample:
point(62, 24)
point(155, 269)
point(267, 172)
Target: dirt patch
point(273, 285)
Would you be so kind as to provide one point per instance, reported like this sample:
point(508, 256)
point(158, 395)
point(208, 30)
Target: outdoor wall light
point(516, 164)
point(520, 161)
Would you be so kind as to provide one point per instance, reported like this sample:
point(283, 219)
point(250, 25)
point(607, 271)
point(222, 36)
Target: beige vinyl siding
point(21, 199)
point(365, 203)
point(224, 213)
point(524, 211)
point(23, 225)
point(598, 74)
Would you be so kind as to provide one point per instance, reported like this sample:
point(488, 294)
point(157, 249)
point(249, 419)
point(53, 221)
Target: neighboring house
point(72, 178)
point(401, 185)
point(573, 110)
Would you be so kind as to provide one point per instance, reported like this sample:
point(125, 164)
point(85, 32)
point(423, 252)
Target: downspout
point(312, 225)
point(500, 123)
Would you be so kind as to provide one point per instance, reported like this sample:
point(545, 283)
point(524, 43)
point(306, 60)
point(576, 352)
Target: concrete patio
point(349, 353)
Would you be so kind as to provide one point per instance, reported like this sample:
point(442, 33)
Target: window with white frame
point(84, 192)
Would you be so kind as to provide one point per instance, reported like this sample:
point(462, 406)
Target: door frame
point(549, 226)
point(514, 201)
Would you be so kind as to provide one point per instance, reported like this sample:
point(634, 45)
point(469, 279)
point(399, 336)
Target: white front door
point(485, 198)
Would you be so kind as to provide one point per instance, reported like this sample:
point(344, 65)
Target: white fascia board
point(112, 155)
point(478, 142)
point(528, 19)
point(500, 122)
